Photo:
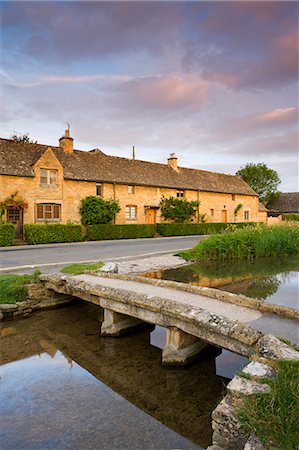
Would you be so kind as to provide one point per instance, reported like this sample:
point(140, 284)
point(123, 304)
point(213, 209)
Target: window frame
point(180, 193)
point(212, 212)
point(128, 212)
point(246, 215)
point(48, 176)
point(131, 189)
point(45, 212)
point(100, 186)
point(233, 197)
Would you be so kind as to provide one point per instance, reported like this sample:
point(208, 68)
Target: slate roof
point(19, 158)
point(288, 202)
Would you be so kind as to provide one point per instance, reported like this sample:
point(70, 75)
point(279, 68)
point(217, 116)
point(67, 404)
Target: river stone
point(271, 347)
point(109, 268)
point(253, 443)
point(239, 385)
point(260, 370)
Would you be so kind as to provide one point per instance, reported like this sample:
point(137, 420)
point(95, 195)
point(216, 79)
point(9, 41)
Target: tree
point(178, 209)
point(95, 210)
point(262, 180)
point(18, 137)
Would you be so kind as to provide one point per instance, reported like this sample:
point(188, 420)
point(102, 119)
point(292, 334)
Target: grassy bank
point(251, 242)
point(13, 287)
point(274, 417)
point(76, 269)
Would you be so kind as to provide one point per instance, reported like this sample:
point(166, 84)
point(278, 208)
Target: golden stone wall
point(69, 194)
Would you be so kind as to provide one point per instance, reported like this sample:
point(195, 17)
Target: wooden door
point(150, 215)
point(14, 215)
point(224, 216)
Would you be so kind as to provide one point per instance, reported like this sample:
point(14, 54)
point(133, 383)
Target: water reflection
point(273, 280)
point(65, 387)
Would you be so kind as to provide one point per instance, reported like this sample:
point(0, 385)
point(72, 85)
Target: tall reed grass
point(250, 242)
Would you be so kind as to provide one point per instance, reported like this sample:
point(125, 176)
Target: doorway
point(14, 214)
point(150, 215)
point(224, 215)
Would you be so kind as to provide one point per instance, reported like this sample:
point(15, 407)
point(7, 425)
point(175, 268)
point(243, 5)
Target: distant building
point(54, 180)
point(287, 203)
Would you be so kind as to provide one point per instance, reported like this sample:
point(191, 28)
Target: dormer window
point(48, 177)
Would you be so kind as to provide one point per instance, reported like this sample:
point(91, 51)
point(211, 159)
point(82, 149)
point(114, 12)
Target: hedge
point(294, 217)
point(50, 233)
point(7, 231)
point(185, 229)
point(101, 232)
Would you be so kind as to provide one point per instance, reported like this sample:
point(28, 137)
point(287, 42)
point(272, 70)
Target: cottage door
point(14, 215)
point(150, 215)
point(224, 216)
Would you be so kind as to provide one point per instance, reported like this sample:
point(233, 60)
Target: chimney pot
point(173, 161)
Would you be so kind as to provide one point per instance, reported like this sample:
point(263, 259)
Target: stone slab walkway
point(264, 322)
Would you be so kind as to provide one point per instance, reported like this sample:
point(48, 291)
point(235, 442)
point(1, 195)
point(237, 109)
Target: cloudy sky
point(214, 82)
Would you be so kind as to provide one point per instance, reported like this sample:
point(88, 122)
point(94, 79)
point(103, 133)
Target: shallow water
point(65, 387)
point(272, 280)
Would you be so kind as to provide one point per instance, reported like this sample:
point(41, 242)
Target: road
point(55, 255)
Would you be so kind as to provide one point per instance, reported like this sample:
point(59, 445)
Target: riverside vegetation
point(250, 242)
point(13, 287)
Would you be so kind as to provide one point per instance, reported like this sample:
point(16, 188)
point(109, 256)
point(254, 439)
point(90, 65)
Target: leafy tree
point(95, 210)
point(18, 137)
point(178, 209)
point(262, 180)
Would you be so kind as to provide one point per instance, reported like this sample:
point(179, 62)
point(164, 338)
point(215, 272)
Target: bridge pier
point(116, 324)
point(181, 348)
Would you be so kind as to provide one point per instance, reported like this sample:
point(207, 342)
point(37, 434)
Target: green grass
point(274, 417)
point(13, 289)
point(76, 269)
point(250, 242)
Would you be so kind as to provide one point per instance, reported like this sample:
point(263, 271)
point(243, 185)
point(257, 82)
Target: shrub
point(294, 217)
point(95, 210)
point(50, 233)
point(101, 232)
point(7, 231)
point(249, 242)
point(186, 229)
point(178, 209)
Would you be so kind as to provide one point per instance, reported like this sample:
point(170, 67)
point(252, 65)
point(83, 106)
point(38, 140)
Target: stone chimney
point(173, 161)
point(66, 142)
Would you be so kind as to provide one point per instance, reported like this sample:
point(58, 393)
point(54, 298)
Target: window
point(212, 212)
point(13, 214)
point(180, 193)
point(233, 197)
point(246, 215)
point(48, 211)
point(131, 189)
point(99, 189)
point(48, 177)
point(131, 212)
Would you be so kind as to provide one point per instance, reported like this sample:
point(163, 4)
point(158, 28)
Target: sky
point(214, 82)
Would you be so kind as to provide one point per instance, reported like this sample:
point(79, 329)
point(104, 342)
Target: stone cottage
point(53, 181)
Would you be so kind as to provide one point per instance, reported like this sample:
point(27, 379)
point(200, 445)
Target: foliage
point(274, 417)
point(49, 233)
point(18, 137)
point(250, 242)
point(187, 229)
point(80, 268)
point(290, 217)
point(7, 231)
point(96, 210)
point(178, 209)
point(13, 287)
point(263, 180)
point(237, 209)
point(12, 200)
point(109, 231)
